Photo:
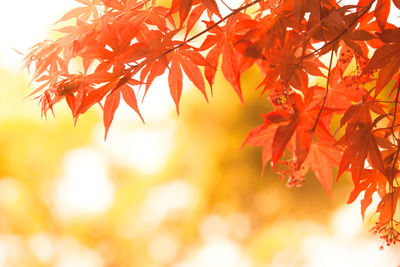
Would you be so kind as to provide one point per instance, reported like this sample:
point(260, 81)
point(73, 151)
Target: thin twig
point(385, 128)
point(228, 7)
point(326, 93)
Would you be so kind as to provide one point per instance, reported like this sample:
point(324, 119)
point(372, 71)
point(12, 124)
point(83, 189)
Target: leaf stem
point(395, 112)
point(326, 93)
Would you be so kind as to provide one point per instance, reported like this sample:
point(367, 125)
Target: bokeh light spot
point(163, 248)
point(85, 187)
point(42, 246)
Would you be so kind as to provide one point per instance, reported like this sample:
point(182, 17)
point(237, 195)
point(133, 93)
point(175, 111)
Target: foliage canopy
point(124, 45)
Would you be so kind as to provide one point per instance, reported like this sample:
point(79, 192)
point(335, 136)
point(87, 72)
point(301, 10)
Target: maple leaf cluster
point(320, 61)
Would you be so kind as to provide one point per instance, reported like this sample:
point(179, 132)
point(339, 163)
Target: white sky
point(24, 23)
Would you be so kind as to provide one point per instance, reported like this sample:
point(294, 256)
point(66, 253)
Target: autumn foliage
point(330, 70)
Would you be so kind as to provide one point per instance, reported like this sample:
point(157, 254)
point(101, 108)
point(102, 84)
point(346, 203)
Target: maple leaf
point(184, 9)
point(83, 13)
point(280, 127)
point(382, 12)
point(386, 58)
point(222, 41)
point(130, 98)
point(110, 106)
point(262, 135)
point(194, 18)
point(371, 181)
point(322, 156)
point(212, 6)
point(175, 82)
point(343, 91)
point(362, 145)
point(282, 137)
point(387, 207)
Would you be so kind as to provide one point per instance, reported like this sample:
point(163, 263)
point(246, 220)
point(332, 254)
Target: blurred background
point(176, 191)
